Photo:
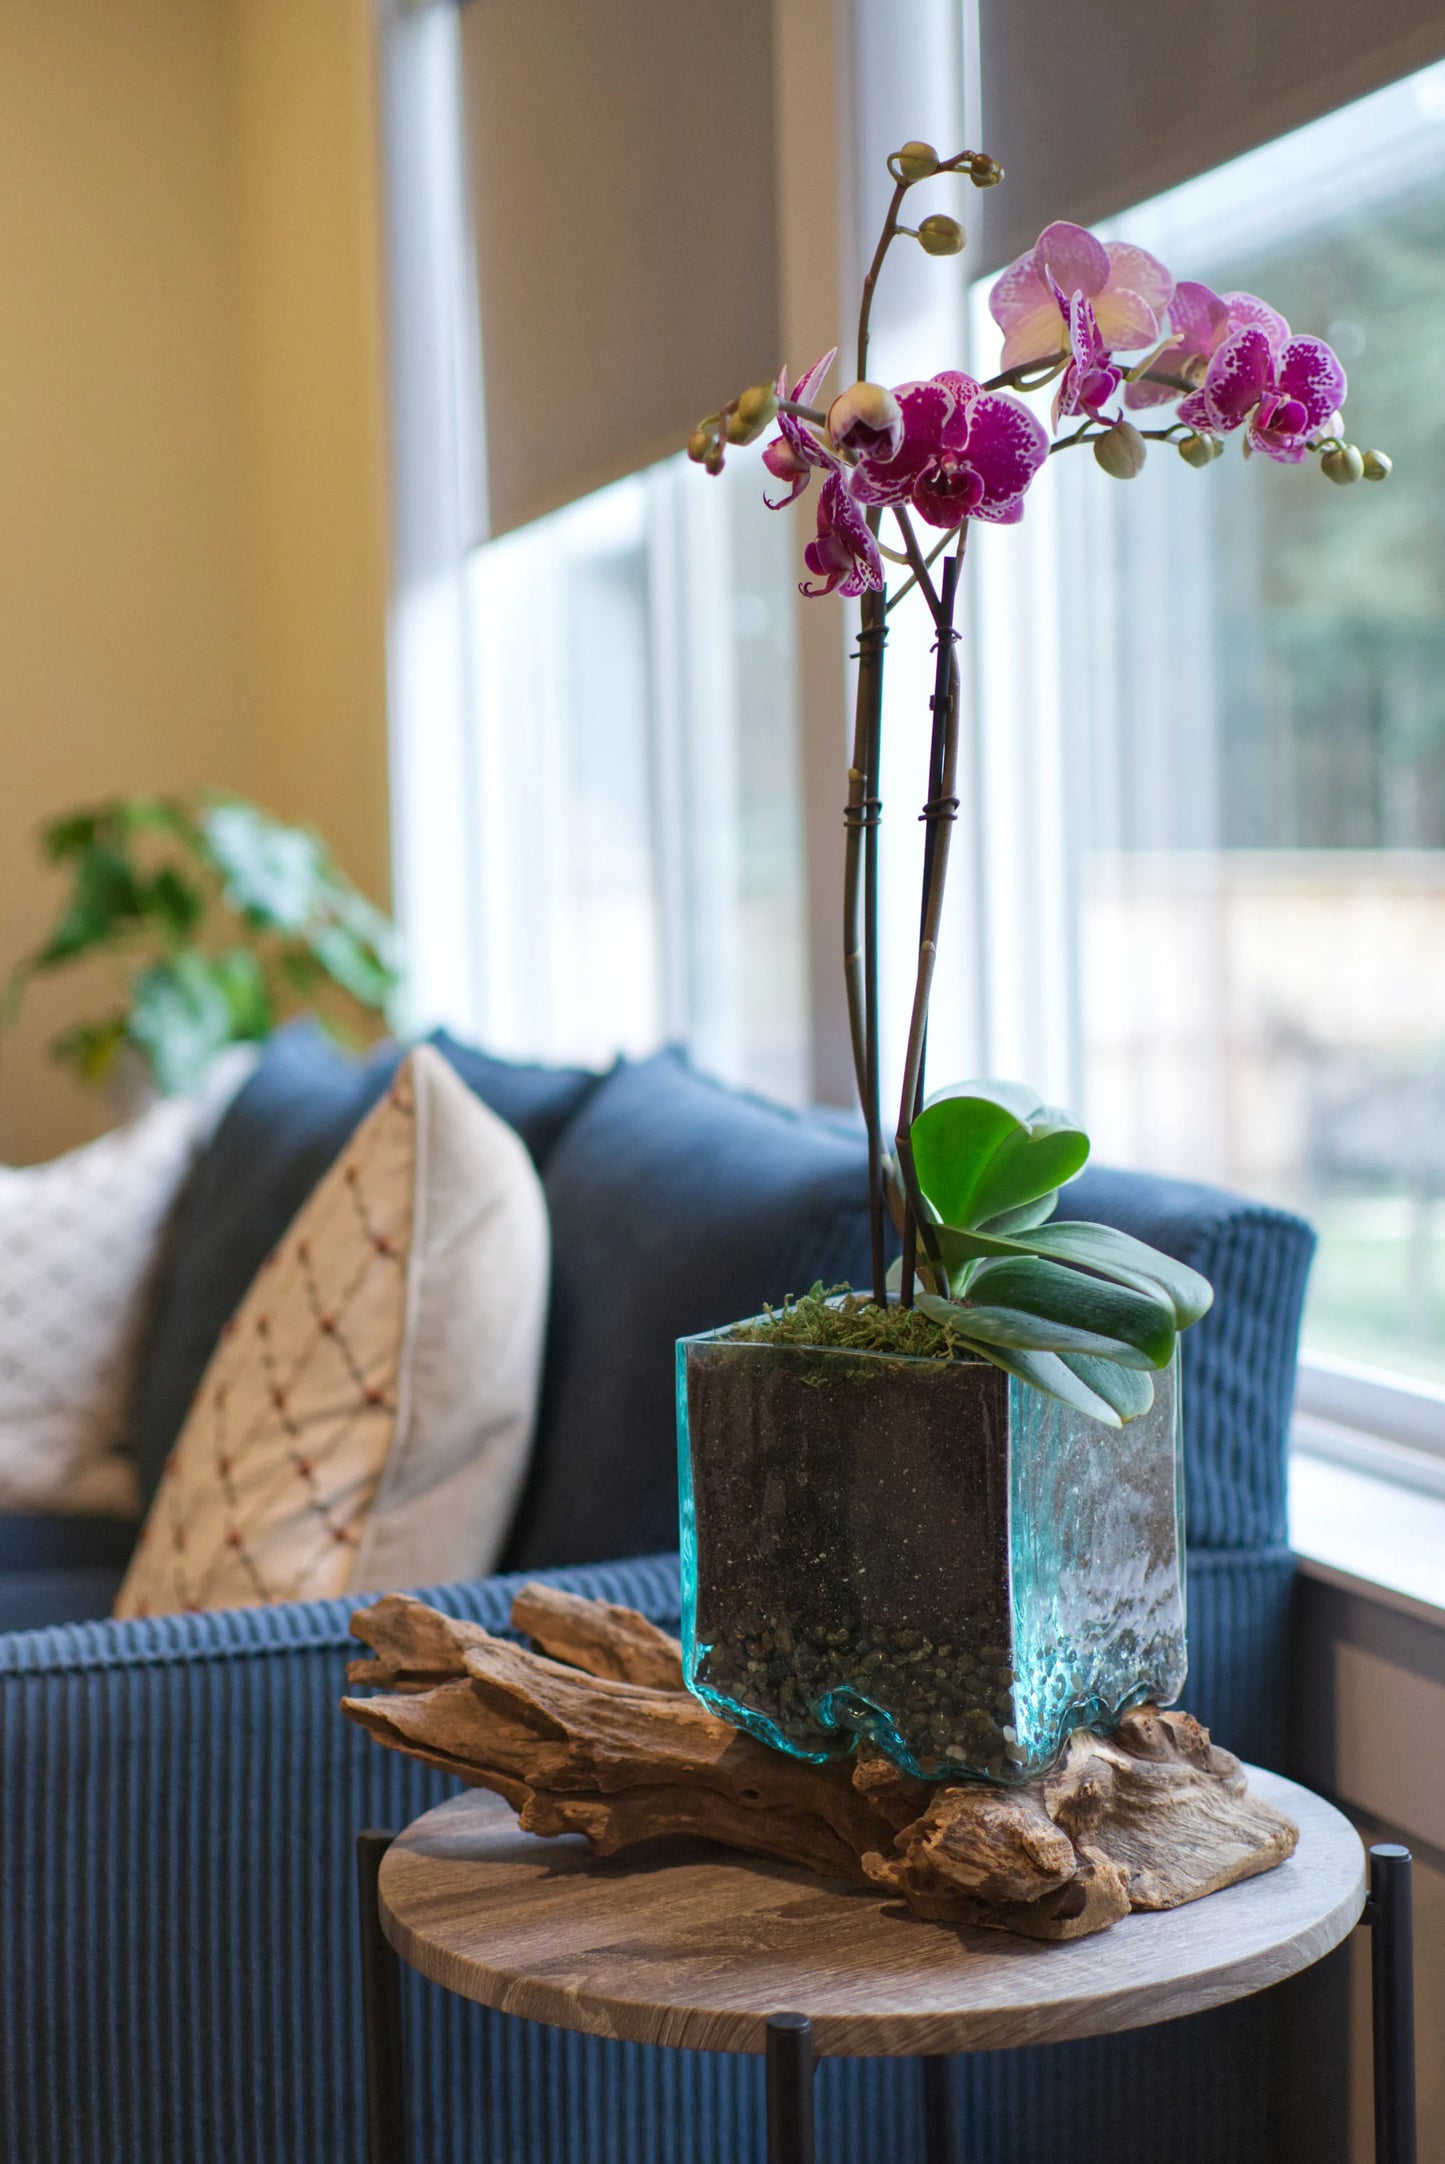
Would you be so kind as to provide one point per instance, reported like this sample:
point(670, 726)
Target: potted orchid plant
point(944, 1513)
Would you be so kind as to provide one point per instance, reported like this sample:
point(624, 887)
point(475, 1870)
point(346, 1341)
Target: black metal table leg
point(940, 2135)
point(1392, 1981)
point(790, 2089)
point(381, 2000)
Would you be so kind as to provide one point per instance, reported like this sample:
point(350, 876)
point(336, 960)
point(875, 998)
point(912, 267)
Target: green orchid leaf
point(1061, 1298)
point(1129, 1390)
point(985, 1150)
point(1098, 1248)
point(1129, 1262)
point(1012, 1224)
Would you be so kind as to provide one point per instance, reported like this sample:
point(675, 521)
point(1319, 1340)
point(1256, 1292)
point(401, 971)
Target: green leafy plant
point(222, 922)
point(1079, 1310)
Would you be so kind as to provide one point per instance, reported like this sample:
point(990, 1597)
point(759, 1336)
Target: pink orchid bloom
point(966, 453)
point(844, 558)
point(1286, 391)
point(792, 455)
point(1128, 289)
point(1090, 378)
point(1201, 320)
point(866, 420)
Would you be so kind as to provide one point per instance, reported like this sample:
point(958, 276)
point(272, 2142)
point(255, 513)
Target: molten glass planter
point(926, 1553)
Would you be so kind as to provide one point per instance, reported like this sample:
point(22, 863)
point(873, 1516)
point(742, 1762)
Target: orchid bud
point(1199, 451)
point(866, 418)
point(1343, 465)
point(752, 413)
point(916, 161)
point(1122, 451)
point(1378, 466)
point(700, 442)
point(713, 463)
point(983, 171)
point(940, 235)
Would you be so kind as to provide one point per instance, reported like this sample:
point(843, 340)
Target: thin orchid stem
point(939, 812)
point(929, 561)
point(870, 282)
point(803, 413)
point(916, 559)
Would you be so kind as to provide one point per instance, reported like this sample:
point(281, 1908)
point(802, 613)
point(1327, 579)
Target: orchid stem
point(920, 564)
point(939, 813)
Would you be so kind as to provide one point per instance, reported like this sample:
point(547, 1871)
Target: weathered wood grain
point(608, 1744)
point(680, 1943)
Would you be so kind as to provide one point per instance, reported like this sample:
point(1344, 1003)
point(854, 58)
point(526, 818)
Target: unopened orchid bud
point(1198, 451)
point(700, 442)
point(1343, 465)
point(1121, 451)
point(916, 161)
point(866, 418)
point(940, 235)
point(983, 171)
point(752, 413)
point(713, 463)
point(1378, 466)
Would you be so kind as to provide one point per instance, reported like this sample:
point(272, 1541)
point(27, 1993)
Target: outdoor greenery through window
point(1246, 701)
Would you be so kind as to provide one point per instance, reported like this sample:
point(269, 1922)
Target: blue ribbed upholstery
point(178, 1805)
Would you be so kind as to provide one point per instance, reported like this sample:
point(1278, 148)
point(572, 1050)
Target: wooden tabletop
point(684, 1943)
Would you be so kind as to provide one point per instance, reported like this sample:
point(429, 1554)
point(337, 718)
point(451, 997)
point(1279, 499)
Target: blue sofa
point(180, 1796)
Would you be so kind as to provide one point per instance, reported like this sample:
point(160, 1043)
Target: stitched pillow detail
point(367, 1414)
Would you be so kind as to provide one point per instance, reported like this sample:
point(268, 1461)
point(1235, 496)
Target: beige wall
point(192, 534)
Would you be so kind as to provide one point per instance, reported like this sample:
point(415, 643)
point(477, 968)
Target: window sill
point(1366, 1534)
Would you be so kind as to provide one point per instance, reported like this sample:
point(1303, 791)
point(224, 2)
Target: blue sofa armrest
point(179, 1800)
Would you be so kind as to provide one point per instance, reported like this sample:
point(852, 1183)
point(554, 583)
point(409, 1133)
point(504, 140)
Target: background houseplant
point(219, 922)
point(1074, 1313)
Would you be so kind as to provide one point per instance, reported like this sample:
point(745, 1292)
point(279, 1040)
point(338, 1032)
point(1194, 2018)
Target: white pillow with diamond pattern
point(80, 1239)
point(366, 1420)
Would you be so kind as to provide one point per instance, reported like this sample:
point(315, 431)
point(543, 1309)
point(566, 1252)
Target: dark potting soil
point(851, 1516)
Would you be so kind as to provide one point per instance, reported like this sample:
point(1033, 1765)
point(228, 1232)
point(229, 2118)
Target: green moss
point(851, 1322)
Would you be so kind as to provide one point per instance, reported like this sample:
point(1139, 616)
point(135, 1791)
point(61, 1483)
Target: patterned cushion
point(366, 1418)
point(80, 1240)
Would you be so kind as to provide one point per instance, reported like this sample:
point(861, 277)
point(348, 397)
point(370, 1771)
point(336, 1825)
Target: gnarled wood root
point(595, 1734)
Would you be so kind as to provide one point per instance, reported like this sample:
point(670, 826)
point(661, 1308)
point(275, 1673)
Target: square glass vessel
point(926, 1553)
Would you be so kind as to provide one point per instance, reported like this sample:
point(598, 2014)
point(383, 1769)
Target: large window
point(636, 815)
point(1239, 677)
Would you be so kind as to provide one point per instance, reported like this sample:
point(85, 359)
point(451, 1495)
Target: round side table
point(686, 1944)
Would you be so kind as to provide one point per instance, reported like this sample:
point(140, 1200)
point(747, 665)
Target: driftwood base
point(596, 1734)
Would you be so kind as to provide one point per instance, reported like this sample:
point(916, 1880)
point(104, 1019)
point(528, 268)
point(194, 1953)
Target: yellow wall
point(192, 519)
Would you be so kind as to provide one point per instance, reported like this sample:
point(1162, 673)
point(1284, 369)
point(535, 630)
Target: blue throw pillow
point(285, 1129)
point(677, 1204)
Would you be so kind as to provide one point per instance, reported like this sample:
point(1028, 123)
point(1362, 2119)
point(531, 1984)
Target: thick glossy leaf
point(1130, 1262)
point(1099, 1248)
point(1058, 1296)
point(1014, 1328)
point(954, 1139)
point(1043, 1370)
point(1129, 1390)
point(1013, 1224)
point(985, 1150)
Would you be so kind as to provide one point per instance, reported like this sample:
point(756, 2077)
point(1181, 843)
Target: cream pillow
point(80, 1239)
point(366, 1419)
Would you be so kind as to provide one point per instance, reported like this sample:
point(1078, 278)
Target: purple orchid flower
point(792, 455)
point(844, 557)
point(1128, 289)
point(966, 453)
point(1201, 320)
point(1090, 377)
point(1286, 391)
